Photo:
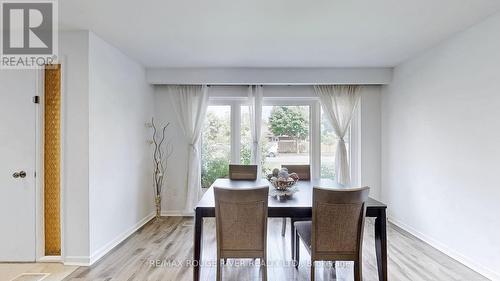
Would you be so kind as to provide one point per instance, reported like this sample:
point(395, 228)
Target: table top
point(301, 199)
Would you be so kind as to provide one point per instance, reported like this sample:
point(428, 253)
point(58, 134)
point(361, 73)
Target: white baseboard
point(486, 272)
point(50, 259)
point(176, 213)
point(97, 255)
point(77, 260)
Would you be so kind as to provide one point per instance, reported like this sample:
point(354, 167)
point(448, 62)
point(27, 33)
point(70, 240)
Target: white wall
point(371, 140)
point(121, 188)
point(175, 186)
point(106, 156)
point(73, 49)
point(441, 146)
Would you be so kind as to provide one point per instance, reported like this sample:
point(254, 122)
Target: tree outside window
point(285, 136)
point(216, 144)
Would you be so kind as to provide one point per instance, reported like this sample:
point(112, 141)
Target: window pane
point(285, 136)
point(329, 147)
point(216, 144)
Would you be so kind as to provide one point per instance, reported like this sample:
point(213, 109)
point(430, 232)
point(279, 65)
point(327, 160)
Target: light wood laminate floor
point(156, 252)
point(33, 271)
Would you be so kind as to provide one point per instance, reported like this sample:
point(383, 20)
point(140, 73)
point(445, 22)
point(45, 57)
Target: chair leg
point(292, 233)
point(312, 270)
point(296, 245)
point(264, 269)
point(358, 271)
point(218, 274)
point(283, 227)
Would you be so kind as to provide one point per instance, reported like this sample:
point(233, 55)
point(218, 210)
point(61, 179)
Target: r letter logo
point(28, 34)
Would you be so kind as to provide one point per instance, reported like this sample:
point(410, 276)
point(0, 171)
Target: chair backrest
point(241, 221)
point(338, 223)
point(243, 172)
point(303, 171)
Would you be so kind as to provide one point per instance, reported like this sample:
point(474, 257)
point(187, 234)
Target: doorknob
point(21, 174)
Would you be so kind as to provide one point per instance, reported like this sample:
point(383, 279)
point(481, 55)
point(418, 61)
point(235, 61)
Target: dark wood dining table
point(298, 206)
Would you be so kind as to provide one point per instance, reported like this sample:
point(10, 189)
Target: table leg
point(381, 245)
point(292, 237)
point(198, 228)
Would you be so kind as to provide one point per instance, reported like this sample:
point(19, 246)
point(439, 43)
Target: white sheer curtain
point(190, 104)
point(255, 94)
point(339, 103)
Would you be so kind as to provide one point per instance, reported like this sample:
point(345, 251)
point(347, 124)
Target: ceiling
point(273, 33)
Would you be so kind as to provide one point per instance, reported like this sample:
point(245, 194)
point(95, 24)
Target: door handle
point(21, 174)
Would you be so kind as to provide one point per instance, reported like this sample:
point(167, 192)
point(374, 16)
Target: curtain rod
point(237, 85)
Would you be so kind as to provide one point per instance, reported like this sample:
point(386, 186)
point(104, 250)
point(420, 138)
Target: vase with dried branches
point(162, 151)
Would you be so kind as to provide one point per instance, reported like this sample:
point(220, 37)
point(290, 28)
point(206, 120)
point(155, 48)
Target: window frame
point(314, 129)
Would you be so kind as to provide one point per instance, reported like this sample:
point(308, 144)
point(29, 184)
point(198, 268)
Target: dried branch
point(161, 154)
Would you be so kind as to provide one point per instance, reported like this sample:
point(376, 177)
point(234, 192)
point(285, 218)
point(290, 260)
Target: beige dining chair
point(242, 172)
point(304, 173)
point(336, 230)
point(241, 224)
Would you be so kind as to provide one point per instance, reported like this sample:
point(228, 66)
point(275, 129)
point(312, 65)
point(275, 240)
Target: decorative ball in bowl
point(281, 180)
point(283, 184)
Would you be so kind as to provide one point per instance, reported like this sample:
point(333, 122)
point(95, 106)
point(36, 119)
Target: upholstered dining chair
point(241, 224)
point(304, 173)
point(242, 172)
point(336, 230)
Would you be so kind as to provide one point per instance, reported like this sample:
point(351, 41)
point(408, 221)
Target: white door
point(17, 165)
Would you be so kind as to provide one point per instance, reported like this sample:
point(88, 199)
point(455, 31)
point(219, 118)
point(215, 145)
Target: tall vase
point(158, 207)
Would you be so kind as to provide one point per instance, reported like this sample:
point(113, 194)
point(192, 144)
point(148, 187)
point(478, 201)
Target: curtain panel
point(339, 103)
point(255, 94)
point(190, 104)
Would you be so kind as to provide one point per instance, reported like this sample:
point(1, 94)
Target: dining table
point(297, 206)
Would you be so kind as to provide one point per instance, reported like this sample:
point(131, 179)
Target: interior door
point(17, 165)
